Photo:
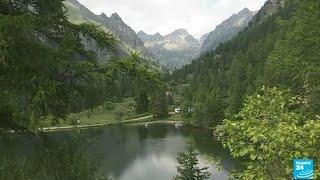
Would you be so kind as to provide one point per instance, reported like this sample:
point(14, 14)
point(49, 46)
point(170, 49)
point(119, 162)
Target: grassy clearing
point(175, 117)
point(97, 118)
point(110, 113)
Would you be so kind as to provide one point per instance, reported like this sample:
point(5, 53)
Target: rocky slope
point(227, 30)
point(180, 48)
point(269, 8)
point(203, 38)
point(173, 50)
point(128, 40)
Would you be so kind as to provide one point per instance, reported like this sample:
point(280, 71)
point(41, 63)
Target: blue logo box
point(303, 169)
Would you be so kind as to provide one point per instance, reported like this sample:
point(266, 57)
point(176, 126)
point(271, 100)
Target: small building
point(178, 125)
point(177, 110)
point(190, 110)
point(168, 93)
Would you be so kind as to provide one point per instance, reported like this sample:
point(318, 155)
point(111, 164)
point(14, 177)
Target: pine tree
point(143, 102)
point(188, 167)
point(159, 104)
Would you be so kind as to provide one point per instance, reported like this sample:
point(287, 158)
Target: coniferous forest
point(266, 83)
point(258, 94)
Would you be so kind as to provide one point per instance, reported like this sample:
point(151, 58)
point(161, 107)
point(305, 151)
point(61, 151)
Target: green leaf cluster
point(268, 133)
point(45, 71)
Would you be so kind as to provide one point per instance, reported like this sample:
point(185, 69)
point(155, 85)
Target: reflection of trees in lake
point(68, 155)
point(122, 146)
point(211, 149)
point(120, 150)
point(118, 145)
point(54, 158)
point(157, 132)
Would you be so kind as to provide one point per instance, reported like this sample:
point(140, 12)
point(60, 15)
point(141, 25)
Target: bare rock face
point(128, 40)
point(203, 38)
point(173, 50)
point(236, 23)
point(123, 31)
point(179, 48)
point(269, 8)
point(227, 30)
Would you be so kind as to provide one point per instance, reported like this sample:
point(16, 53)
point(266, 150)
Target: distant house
point(168, 93)
point(177, 110)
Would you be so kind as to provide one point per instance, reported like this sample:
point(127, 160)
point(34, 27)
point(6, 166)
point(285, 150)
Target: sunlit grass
point(100, 115)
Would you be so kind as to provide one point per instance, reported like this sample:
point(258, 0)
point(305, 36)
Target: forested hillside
point(259, 92)
point(45, 71)
point(266, 83)
point(281, 49)
point(228, 29)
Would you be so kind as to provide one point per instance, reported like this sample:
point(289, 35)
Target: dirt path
point(51, 129)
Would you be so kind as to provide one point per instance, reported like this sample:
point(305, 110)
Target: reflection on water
point(47, 157)
point(123, 153)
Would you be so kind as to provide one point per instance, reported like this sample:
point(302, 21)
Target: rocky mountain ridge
point(179, 48)
point(173, 50)
point(227, 30)
point(128, 41)
point(269, 8)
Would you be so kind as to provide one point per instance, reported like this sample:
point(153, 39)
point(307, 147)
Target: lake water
point(123, 153)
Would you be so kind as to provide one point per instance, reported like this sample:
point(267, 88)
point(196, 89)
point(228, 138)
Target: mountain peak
point(75, 2)
point(227, 29)
point(103, 15)
point(142, 33)
point(180, 32)
point(173, 50)
point(115, 16)
point(157, 35)
point(203, 38)
point(245, 10)
point(270, 7)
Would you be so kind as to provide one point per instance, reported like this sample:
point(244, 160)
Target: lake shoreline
point(141, 121)
point(147, 120)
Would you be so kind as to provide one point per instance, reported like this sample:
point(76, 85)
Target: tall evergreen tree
point(188, 167)
point(143, 102)
point(159, 104)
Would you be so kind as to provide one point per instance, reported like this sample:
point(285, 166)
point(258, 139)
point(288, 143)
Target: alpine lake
point(119, 152)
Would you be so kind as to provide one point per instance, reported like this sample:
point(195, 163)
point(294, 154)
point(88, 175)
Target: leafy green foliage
point(120, 112)
point(56, 160)
point(103, 39)
point(234, 68)
point(210, 110)
point(143, 102)
point(45, 70)
point(188, 168)
point(159, 104)
point(269, 133)
point(280, 51)
point(295, 61)
point(273, 127)
point(108, 105)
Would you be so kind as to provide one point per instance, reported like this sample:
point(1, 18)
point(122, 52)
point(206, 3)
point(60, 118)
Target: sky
point(164, 16)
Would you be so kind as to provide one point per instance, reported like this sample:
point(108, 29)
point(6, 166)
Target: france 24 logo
point(303, 169)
